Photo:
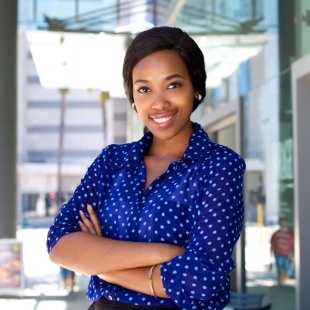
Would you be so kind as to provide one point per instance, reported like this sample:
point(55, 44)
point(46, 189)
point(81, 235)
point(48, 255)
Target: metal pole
point(77, 11)
point(104, 96)
point(154, 13)
point(63, 92)
point(240, 247)
point(34, 11)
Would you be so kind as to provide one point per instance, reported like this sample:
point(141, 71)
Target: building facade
point(60, 132)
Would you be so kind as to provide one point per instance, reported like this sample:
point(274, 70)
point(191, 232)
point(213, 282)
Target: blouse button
point(110, 297)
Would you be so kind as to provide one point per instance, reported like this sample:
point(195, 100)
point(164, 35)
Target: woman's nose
point(160, 102)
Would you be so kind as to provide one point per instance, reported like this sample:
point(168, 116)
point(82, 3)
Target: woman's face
point(163, 94)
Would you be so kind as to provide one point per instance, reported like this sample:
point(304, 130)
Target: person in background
point(66, 279)
point(282, 247)
point(154, 222)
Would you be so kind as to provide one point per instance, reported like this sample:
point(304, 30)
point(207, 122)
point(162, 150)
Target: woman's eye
point(143, 90)
point(174, 85)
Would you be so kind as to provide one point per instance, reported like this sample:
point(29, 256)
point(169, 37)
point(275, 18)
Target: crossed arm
point(123, 263)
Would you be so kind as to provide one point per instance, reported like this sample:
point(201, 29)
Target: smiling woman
point(155, 221)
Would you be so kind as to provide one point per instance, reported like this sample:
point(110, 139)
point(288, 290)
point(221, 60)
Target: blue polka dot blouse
point(197, 204)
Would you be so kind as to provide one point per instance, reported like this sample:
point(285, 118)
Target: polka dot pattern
point(197, 204)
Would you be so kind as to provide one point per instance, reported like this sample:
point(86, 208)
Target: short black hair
point(166, 38)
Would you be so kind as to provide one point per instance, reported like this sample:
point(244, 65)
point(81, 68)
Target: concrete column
point(8, 104)
point(301, 130)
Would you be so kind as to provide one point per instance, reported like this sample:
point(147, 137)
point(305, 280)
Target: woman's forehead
point(165, 63)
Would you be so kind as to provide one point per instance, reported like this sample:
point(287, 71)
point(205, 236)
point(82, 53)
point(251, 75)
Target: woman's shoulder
point(203, 148)
point(116, 151)
point(115, 155)
point(224, 150)
point(224, 154)
point(117, 148)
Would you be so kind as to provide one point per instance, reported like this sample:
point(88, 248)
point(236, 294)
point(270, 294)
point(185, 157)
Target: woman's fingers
point(91, 224)
point(83, 227)
point(94, 220)
point(86, 224)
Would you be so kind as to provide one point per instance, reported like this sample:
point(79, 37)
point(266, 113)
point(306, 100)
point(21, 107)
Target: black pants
point(106, 304)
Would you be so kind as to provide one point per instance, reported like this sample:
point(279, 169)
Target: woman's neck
point(173, 148)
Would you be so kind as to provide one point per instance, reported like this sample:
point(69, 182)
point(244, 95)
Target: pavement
point(46, 295)
point(41, 289)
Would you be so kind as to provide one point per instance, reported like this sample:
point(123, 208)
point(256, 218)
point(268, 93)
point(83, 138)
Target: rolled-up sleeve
point(86, 193)
point(200, 278)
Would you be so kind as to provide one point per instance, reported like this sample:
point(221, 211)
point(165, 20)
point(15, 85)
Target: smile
point(162, 120)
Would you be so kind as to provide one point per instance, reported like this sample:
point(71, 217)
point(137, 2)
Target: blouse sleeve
point(86, 193)
point(201, 276)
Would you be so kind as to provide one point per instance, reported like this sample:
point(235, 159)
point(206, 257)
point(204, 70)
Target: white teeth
point(162, 120)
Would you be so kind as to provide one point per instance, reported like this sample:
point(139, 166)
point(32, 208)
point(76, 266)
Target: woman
point(155, 221)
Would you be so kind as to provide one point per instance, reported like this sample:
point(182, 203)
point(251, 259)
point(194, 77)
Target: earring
point(133, 106)
point(199, 97)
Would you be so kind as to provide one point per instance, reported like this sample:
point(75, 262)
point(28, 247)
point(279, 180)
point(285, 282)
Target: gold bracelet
point(151, 280)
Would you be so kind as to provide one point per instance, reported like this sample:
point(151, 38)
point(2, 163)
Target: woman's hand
point(91, 224)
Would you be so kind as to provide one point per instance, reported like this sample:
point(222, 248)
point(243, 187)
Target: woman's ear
point(198, 96)
point(134, 106)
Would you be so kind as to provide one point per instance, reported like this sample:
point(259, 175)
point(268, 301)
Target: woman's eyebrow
point(173, 76)
point(140, 81)
point(167, 78)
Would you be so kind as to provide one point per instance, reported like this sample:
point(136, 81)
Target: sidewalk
point(44, 294)
point(41, 290)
